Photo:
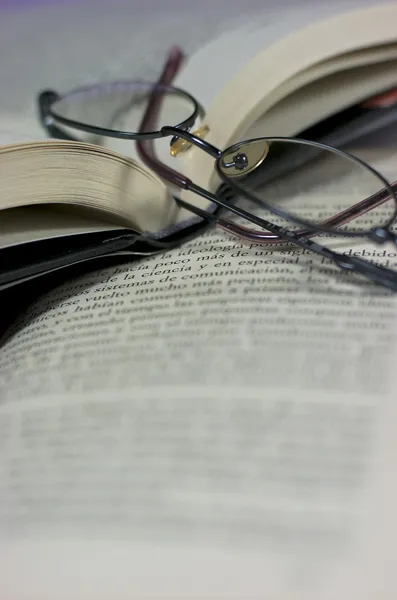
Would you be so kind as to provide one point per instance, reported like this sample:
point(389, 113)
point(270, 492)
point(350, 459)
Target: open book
point(74, 201)
point(213, 422)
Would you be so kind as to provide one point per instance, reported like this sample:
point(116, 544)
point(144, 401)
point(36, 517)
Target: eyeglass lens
point(306, 181)
point(120, 106)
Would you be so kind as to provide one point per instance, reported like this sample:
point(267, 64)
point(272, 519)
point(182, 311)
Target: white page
point(193, 426)
point(215, 63)
point(62, 562)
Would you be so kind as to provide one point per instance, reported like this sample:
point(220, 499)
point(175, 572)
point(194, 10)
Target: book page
point(259, 30)
point(329, 45)
point(213, 422)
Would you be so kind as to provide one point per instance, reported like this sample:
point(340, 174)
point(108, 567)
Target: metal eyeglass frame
point(273, 233)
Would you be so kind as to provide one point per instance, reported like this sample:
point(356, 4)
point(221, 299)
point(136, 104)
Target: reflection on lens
point(318, 185)
point(120, 106)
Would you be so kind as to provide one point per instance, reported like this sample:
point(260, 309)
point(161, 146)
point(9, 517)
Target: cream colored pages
point(77, 194)
point(325, 47)
point(216, 63)
point(214, 422)
point(85, 176)
point(239, 68)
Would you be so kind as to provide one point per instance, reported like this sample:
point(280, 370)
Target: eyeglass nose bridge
point(191, 139)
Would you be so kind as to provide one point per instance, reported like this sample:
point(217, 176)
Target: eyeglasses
point(311, 189)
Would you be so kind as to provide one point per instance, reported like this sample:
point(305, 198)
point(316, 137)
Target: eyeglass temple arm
point(361, 207)
point(149, 122)
point(45, 101)
point(145, 148)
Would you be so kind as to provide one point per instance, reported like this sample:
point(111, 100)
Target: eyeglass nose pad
point(243, 158)
point(179, 145)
